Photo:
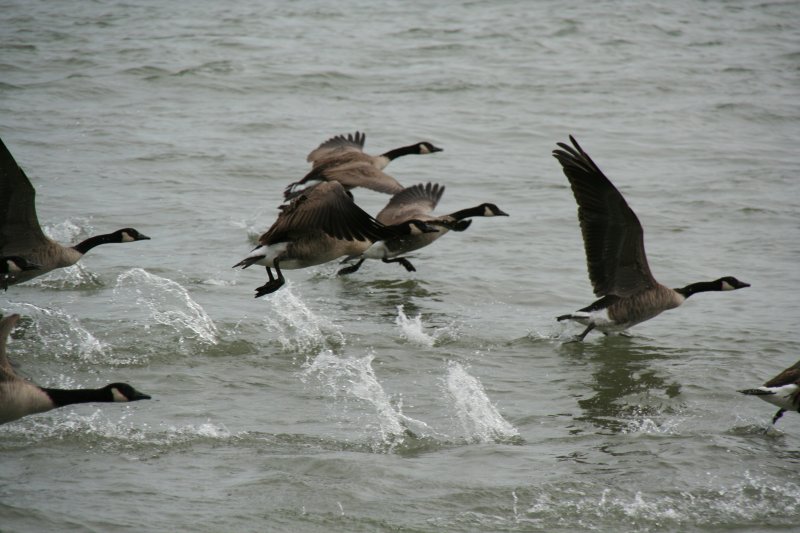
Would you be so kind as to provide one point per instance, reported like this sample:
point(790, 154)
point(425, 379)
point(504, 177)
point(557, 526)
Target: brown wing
point(787, 377)
point(327, 207)
point(352, 142)
point(612, 235)
point(6, 325)
point(415, 202)
point(19, 226)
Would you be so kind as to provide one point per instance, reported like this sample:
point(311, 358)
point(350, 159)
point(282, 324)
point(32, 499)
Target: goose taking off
point(341, 158)
point(321, 224)
point(614, 245)
point(417, 203)
point(782, 391)
point(21, 235)
point(19, 397)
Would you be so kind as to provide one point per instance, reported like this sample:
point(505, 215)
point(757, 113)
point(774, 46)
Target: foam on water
point(168, 304)
point(354, 378)
point(480, 420)
point(296, 327)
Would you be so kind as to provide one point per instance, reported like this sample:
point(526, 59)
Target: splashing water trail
point(479, 419)
point(412, 328)
point(168, 302)
point(297, 327)
point(355, 377)
point(64, 334)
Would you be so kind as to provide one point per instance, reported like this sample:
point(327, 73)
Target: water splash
point(297, 328)
point(63, 334)
point(412, 328)
point(353, 377)
point(168, 303)
point(480, 420)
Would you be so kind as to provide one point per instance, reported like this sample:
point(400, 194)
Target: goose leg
point(273, 284)
point(580, 337)
point(403, 261)
point(778, 415)
point(351, 268)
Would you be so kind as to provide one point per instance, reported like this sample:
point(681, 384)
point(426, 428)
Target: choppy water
point(441, 400)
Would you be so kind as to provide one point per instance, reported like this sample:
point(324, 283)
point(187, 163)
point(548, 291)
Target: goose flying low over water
point(21, 235)
point(782, 391)
point(10, 266)
point(417, 203)
point(19, 397)
point(614, 244)
point(320, 225)
point(341, 158)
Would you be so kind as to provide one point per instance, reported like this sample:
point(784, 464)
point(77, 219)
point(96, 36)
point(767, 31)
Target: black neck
point(700, 286)
point(91, 242)
point(63, 397)
point(403, 150)
point(476, 211)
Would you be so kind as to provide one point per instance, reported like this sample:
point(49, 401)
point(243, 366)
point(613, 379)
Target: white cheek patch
point(424, 149)
point(126, 237)
point(727, 286)
point(117, 395)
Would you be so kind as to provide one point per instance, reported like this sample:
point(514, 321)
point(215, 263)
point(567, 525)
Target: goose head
point(427, 148)
point(128, 235)
point(491, 210)
point(729, 283)
point(122, 392)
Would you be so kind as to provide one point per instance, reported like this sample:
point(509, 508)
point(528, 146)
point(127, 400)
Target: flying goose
point(320, 225)
point(21, 235)
point(417, 203)
point(19, 397)
point(342, 159)
point(783, 391)
point(614, 245)
point(10, 266)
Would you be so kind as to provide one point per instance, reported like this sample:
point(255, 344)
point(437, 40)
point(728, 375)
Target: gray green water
point(185, 120)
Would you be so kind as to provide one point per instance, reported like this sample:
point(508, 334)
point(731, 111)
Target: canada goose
point(10, 266)
point(342, 159)
point(21, 235)
point(614, 245)
point(319, 225)
point(417, 203)
point(783, 391)
point(19, 397)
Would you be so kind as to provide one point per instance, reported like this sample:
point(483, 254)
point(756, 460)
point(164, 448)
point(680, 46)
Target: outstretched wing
point(326, 207)
point(787, 377)
point(19, 226)
point(352, 142)
point(612, 235)
point(415, 202)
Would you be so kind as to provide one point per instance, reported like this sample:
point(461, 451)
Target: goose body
point(782, 391)
point(341, 158)
point(12, 266)
point(614, 244)
point(21, 235)
point(417, 203)
point(319, 225)
point(19, 397)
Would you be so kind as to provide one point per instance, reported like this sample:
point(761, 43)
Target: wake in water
point(480, 420)
point(296, 327)
point(168, 303)
point(61, 334)
point(354, 377)
point(413, 330)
